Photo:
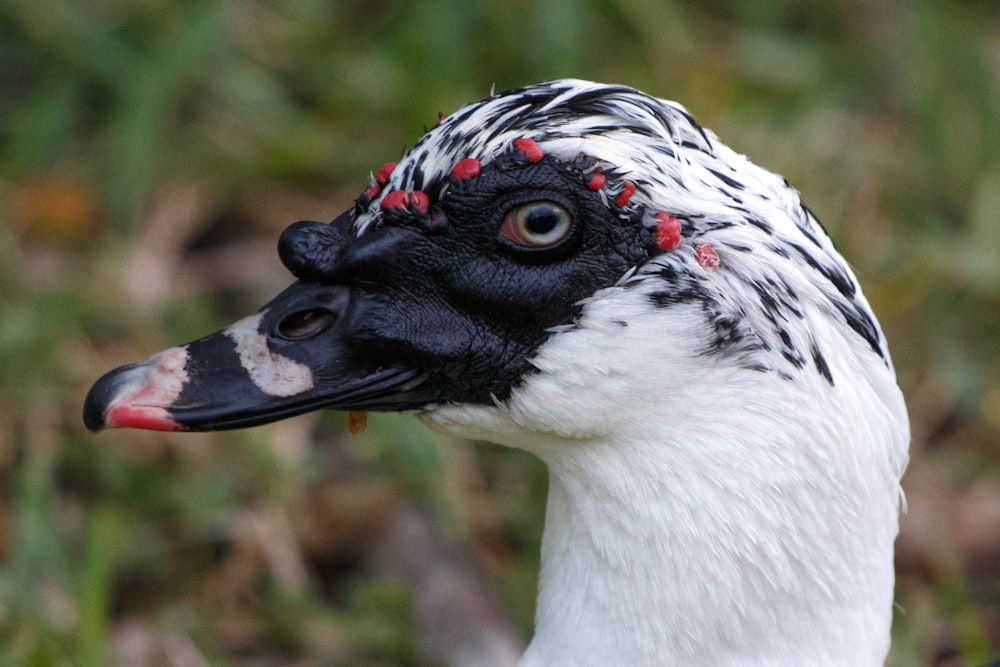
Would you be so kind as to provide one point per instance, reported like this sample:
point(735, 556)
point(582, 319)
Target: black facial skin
point(465, 306)
point(421, 308)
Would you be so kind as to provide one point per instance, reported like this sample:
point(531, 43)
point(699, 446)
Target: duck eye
point(537, 224)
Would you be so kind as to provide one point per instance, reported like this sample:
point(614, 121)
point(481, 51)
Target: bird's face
point(505, 226)
point(415, 297)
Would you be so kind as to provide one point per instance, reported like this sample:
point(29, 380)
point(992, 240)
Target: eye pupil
point(541, 219)
point(537, 224)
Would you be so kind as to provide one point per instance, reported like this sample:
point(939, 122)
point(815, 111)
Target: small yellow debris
point(356, 422)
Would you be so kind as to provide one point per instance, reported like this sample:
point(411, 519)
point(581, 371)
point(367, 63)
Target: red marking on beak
point(139, 395)
point(143, 417)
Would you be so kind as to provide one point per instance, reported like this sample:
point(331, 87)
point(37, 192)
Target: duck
point(582, 271)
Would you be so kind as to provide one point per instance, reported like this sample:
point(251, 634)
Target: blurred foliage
point(148, 150)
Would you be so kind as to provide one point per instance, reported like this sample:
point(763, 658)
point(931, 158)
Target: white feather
point(724, 468)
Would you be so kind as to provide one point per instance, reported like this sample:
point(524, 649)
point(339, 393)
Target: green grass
point(174, 131)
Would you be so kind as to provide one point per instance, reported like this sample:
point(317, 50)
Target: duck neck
point(723, 552)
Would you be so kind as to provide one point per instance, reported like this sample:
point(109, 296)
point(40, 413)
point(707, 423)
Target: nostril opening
point(306, 324)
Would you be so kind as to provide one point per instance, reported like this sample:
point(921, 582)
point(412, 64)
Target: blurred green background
point(150, 154)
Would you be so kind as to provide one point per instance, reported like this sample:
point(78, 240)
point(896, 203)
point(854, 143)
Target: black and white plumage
point(582, 271)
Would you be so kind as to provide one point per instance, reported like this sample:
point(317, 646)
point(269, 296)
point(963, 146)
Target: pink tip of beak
point(144, 417)
point(139, 395)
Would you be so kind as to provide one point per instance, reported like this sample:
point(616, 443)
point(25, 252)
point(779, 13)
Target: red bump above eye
point(597, 180)
point(626, 194)
point(416, 201)
point(529, 149)
point(382, 175)
point(706, 256)
point(419, 202)
point(465, 169)
point(668, 231)
point(395, 199)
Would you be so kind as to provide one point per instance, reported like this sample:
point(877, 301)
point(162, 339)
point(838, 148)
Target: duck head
point(458, 263)
point(452, 268)
point(583, 271)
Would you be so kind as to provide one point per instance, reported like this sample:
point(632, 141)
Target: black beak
point(287, 359)
point(303, 351)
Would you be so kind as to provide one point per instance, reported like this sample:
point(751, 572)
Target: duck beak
point(291, 357)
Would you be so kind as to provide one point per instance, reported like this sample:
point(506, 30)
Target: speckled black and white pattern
point(778, 267)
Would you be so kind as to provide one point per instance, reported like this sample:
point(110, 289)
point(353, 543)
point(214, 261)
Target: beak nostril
point(306, 324)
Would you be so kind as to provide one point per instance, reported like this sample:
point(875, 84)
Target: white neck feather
point(700, 513)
